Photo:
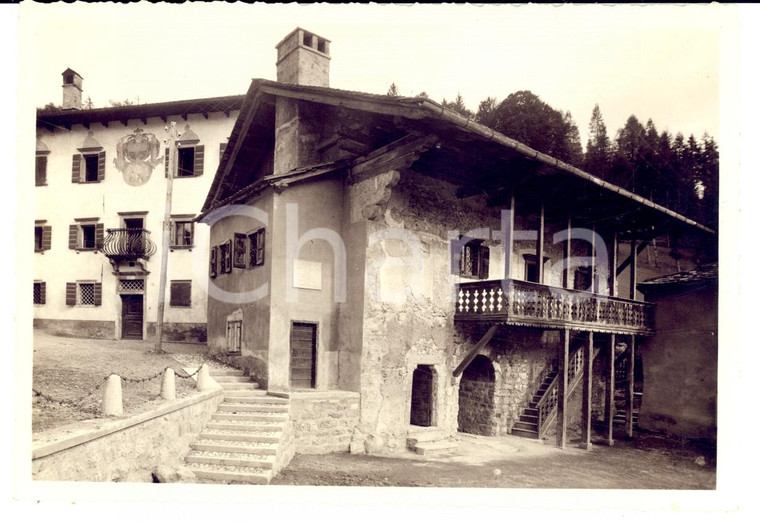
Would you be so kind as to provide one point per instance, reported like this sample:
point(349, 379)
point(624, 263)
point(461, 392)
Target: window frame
point(80, 165)
point(42, 291)
point(78, 242)
point(177, 284)
point(198, 158)
point(479, 255)
point(236, 326)
point(40, 179)
point(256, 246)
point(175, 221)
point(79, 294)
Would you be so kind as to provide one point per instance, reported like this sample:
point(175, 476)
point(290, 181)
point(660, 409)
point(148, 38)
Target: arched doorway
point(476, 390)
point(422, 396)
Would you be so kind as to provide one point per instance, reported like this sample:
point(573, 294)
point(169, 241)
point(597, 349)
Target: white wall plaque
point(307, 274)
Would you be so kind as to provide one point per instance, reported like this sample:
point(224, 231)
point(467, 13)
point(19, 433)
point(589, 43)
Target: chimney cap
point(72, 71)
point(306, 31)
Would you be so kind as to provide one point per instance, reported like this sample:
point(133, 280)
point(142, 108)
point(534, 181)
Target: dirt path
point(647, 462)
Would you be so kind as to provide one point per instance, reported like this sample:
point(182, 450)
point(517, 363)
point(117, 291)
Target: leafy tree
point(125, 103)
point(486, 114)
point(392, 90)
point(88, 104)
point(598, 148)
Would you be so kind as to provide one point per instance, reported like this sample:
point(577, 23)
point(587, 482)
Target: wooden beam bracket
point(475, 350)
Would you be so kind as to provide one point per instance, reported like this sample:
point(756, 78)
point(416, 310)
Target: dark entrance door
point(303, 350)
point(131, 316)
point(422, 396)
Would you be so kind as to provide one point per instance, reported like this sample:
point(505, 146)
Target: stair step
point(424, 435)
point(529, 418)
point(528, 426)
point(232, 435)
point(233, 379)
point(232, 474)
point(436, 447)
point(250, 426)
point(241, 386)
point(230, 447)
point(253, 397)
point(267, 417)
point(225, 372)
point(253, 407)
point(522, 433)
point(226, 459)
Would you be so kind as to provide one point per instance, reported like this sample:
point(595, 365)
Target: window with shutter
point(179, 294)
point(76, 168)
point(185, 162)
point(212, 262)
point(87, 234)
point(39, 293)
point(38, 238)
point(40, 176)
point(47, 237)
point(182, 232)
point(225, 257)
point(238, 254)
point(256, 247)
point(198, 165)
point(474, 260)
point(71, 293)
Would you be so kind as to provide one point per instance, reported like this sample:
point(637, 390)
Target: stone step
point(419, 436)
point(527, 425)
point(427, 448)
point(227, 459)
point(253, 407)
point(234, 447)
point(226, 372)
point(522, 433)
point(239, 386)
point(266, 417)
point(221, 474)
point(233, 435)
point(250, 426)
point(232, 379)
point(253, 397)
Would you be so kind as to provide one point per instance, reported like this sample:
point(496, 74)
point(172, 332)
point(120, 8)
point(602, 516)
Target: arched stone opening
point(476, 397)
point(423, 389)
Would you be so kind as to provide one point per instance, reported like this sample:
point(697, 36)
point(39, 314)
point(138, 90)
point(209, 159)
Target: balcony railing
point(126, 244)
point(516, 302)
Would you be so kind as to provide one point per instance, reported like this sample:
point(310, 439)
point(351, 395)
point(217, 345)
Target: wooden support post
point(508, 231)
point(634, 255)
point(564, 361)
point(540, 246)
point(588, 381)
point(568, 251)
point(630, 390)
point(613, 266)
point(609, 402)
point(592, 255)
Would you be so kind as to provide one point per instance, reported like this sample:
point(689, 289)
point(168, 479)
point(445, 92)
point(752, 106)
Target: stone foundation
point(190, 332)
point(323, 421)
point(77, 328)
point(129, 449)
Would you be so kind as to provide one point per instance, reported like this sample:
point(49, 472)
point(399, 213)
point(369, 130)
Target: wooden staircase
point(241, 442)
point(527, 426)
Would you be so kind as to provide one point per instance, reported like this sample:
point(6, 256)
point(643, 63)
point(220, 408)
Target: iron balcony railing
point(518, 302)
point(124, 244)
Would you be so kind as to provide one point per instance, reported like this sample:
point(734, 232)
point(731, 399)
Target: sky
point(659, 62)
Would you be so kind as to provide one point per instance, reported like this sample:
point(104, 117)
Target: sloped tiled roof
point(698, 274)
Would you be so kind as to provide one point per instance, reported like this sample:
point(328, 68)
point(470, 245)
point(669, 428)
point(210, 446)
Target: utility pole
point(171, 143)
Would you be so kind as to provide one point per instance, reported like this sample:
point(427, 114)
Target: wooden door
point(303, 351)
point(131, 316)
point(422, 397)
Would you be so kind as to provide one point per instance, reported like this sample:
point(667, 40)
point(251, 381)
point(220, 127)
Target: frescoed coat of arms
point(136, 156)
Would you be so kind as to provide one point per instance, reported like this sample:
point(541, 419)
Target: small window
point(39, 293)
point(189, 160)
point(238, 255)
point(474, 260)
point(40, 177)
point(90, 168)
point(225, 257)
point(86, 294)
point(182, 233)
point(180, 293)
point(531, 267)
point(212, 262)
point(86, 235)
point(234, 336)
point(582, 278)
point(186, 162)
point(256, 248)
point(38, 238)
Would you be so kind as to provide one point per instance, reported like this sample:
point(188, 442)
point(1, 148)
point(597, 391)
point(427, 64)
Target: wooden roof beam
point(397, 155)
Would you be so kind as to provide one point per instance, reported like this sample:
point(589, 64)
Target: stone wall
point(180, 332)
point(323, 421)
point(77, 328)
point(476, 407)
point(129, 449)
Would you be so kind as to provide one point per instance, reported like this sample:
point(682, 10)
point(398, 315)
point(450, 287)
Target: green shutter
point(98, 236)
point(76, 168)
point(71, 293)
point(73, 233)
point(47, 233)
point(101, 165)
point(97, 293)
point(198, 163)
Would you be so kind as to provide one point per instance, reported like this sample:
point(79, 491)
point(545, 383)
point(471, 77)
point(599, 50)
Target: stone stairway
point(527, 426)
point(427, 441)
point(240, 443)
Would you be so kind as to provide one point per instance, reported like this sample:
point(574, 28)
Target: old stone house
point(444, 274)
point(99, 199)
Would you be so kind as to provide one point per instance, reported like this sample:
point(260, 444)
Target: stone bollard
point(167, 385)
point(112, 404)
point(203, 381)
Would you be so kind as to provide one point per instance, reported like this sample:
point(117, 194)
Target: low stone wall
point(128, 449)
point(77, 328)
point(190, 332)
point(323, 421)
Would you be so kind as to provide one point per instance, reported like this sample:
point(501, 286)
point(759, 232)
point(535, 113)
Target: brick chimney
point(72, 90)
point(303, 58)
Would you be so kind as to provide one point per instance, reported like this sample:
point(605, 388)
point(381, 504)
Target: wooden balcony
point(128, 244)
point(520, 303)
